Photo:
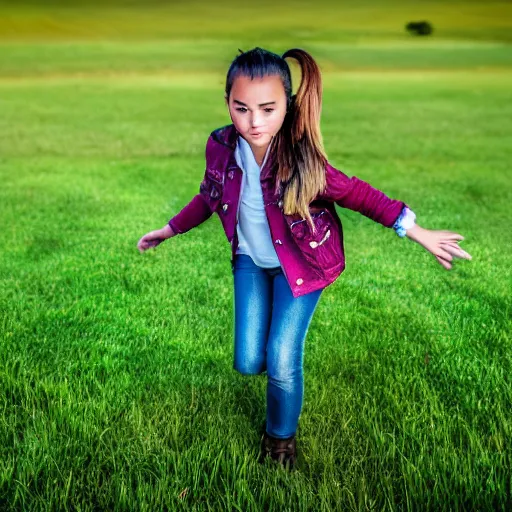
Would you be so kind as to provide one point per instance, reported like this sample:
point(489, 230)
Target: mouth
point(255, 134)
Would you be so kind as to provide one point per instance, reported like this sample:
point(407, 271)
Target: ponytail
point(299, 147)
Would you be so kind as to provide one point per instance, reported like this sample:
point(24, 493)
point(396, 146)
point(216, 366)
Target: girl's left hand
point(442, 244)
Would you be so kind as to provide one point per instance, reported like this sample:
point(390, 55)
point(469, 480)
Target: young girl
point(268, 178)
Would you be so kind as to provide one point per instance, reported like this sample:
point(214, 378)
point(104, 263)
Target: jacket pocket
point(320, 249)
point(211, 188)
point(215, 175)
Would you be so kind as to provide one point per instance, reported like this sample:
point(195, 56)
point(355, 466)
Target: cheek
point(239, 125)
point(276, 123)
point(238, 120)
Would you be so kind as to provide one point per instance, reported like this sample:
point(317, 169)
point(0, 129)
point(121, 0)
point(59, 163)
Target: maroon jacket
point(309, 262)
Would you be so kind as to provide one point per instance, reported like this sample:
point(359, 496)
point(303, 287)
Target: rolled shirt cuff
point(406, 220)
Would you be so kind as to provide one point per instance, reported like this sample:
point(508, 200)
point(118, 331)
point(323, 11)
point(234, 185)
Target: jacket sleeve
point(358, 195)
point(199, 209)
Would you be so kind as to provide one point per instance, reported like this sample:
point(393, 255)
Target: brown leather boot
point(284, 451)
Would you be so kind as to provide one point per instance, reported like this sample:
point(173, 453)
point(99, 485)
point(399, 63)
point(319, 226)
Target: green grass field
point(117, 390)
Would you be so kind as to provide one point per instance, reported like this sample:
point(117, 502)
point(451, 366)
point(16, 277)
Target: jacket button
point(280, 204)
point(299, 281)
point(313, 244)
point(278, 242)
point(225, 206)
point(230, 175)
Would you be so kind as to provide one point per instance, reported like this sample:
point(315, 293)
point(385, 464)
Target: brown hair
point(297, 147)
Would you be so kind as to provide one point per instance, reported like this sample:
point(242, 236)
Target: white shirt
point(253, 231)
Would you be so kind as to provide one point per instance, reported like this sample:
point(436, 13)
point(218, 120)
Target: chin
point(261, 141)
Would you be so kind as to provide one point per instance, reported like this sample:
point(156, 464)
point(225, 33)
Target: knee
point(249, 369)
point(284, 376)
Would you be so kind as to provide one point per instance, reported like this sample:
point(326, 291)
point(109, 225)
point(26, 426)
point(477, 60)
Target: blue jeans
point(270, 329)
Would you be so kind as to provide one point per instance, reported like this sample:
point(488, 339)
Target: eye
point(241, 109)
point(268, 110)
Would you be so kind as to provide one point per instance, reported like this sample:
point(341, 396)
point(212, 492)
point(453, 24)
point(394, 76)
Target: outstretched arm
point(360, 196)
point(199, 209)
point(194, 213)
point(203, 204)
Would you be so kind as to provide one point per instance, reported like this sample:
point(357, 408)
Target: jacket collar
point(228, 136)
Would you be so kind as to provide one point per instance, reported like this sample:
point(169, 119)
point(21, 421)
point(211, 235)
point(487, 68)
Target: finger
point(455, 250)
point(450, 235)
point(444, 254)
point(444, 263)
point(466, 254)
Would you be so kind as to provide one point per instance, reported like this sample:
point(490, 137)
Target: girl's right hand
point(154, 238)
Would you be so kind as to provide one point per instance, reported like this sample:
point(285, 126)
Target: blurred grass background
point(302, 21)
point(116, 379)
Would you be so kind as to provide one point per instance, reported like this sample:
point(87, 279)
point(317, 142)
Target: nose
point(256, 120)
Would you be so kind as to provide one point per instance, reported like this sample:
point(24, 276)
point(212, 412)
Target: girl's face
point(257, 108)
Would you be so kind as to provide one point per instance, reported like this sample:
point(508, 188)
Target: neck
point(260, 152)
